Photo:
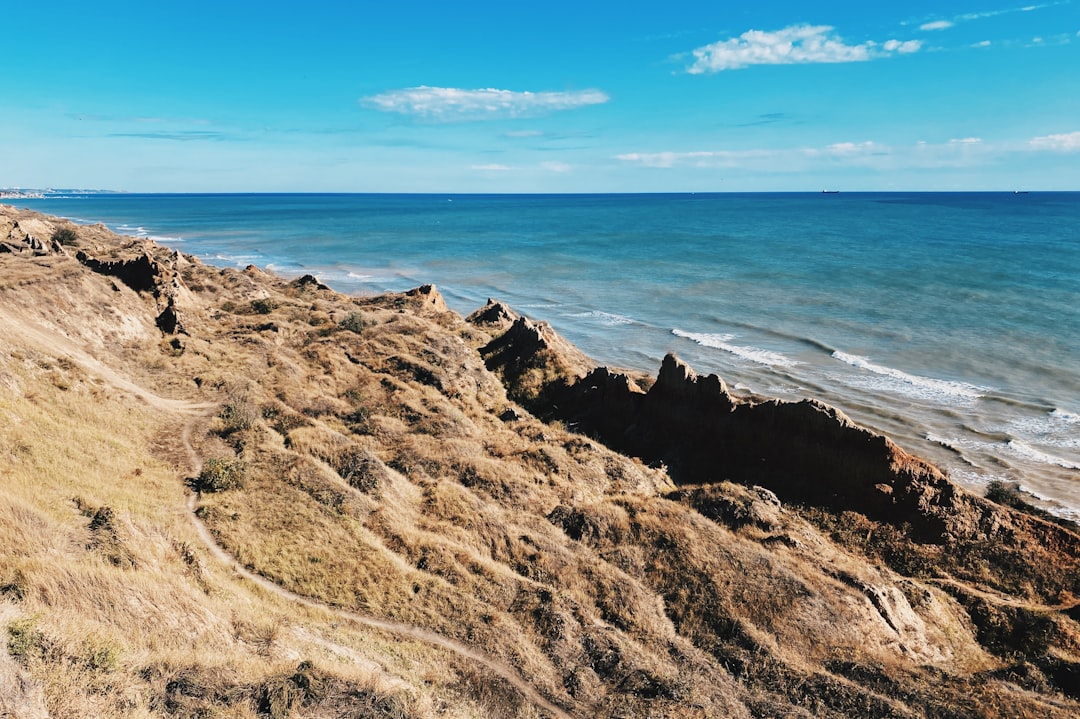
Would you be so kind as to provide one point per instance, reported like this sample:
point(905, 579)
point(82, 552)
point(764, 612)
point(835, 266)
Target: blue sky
point(549, 97)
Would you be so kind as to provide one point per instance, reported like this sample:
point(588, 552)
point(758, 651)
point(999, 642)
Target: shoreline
point(868, 399)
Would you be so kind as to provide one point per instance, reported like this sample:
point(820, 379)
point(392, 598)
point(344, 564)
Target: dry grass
point(386, 476)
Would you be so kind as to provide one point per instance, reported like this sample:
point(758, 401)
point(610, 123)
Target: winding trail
point(501, 669)
point(33, 333)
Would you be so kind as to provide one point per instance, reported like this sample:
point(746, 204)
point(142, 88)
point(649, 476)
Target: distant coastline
point(16, 193)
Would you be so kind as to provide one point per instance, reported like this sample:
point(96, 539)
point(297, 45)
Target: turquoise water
point(950, 322)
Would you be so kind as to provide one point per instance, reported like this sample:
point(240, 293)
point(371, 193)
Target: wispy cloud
point(768, 118)
point(1066, 142)
point(941, 24)
point(493, 167)
point(556, 166)
point(1004, 11)
point(797, 44)
point(179, 136)
point(451, 104)
point(866, 154)
point(698, 158)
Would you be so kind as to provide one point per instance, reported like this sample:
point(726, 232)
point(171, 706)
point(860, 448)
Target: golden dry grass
point(385, 477)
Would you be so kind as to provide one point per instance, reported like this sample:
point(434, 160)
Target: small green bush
point(264, 306)
point(65, 236)
point(355, 322)
point(222, 473)
point(24, 641)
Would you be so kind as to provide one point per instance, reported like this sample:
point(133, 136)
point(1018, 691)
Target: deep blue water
point(950, 321)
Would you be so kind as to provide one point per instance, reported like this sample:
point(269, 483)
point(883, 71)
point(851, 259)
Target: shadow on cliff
point(857, 484)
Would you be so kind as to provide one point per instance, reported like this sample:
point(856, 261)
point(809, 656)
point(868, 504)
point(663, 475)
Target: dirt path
point(51, 342)
point(54, 343)
point(501, 669)
point(1000, 599)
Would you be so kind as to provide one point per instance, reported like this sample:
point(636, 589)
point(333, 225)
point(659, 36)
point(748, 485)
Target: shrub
point(237, 414)
point(1002, 493)
point(222, 473)
point(24, 641)
point(65, 236)
point(355, 322)
point(264, 306)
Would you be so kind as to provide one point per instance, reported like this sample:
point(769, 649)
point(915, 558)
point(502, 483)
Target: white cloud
point(847, 149)
point(984, 43)
point(449, 104)
point(866, 154)
point(1066, 142)
point(524, 133)
point(936, 25)
point(699, 158)
point(493, 167)
point(797, 44)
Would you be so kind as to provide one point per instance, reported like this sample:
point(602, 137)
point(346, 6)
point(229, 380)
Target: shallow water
point(951, 322)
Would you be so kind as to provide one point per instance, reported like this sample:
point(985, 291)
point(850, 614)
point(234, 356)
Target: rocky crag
point(626, 545)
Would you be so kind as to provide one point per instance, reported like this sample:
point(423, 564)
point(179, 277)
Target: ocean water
point(950, 322)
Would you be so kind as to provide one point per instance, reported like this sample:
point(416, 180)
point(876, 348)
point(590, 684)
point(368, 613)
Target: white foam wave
point(1065, 416)
point(1029, 491)
point(606, 318)
point(973, 478)
point(912, 384)
point(238, 260)
point(954, 443)
point(1047, 430)
point(137, 230)
point(1030, 453)
point(358, 276)
point(752, 354)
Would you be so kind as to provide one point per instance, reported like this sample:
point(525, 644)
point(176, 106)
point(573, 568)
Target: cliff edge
point(412, 514)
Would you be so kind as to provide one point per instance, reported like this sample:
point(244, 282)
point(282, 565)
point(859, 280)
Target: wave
point(1065, 416)
point(236, 260)
point(605, 318)
point(912, 384)
point(1030, 453)
point(752, 354)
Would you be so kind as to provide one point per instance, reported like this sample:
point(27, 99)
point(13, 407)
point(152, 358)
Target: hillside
point(223, 494)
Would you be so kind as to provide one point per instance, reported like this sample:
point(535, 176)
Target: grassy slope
point(382, 480)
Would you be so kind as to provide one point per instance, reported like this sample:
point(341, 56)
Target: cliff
point(225, 494)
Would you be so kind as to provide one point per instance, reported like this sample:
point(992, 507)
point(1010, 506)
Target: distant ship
point(830, 192)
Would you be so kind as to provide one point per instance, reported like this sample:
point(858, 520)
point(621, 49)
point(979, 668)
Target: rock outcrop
point(806, 452)
point(146, 273)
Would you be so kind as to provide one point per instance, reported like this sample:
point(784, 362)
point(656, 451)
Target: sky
point(236, 96)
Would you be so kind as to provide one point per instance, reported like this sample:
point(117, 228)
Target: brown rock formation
point(806, 452)
point(493, 316)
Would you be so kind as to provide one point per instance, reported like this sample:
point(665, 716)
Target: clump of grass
point(220, 474)
point(361, 470)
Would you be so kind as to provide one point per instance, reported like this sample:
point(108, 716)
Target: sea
point(948, 321)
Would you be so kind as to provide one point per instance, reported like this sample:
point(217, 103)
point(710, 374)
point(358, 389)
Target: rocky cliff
point(410, 514)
